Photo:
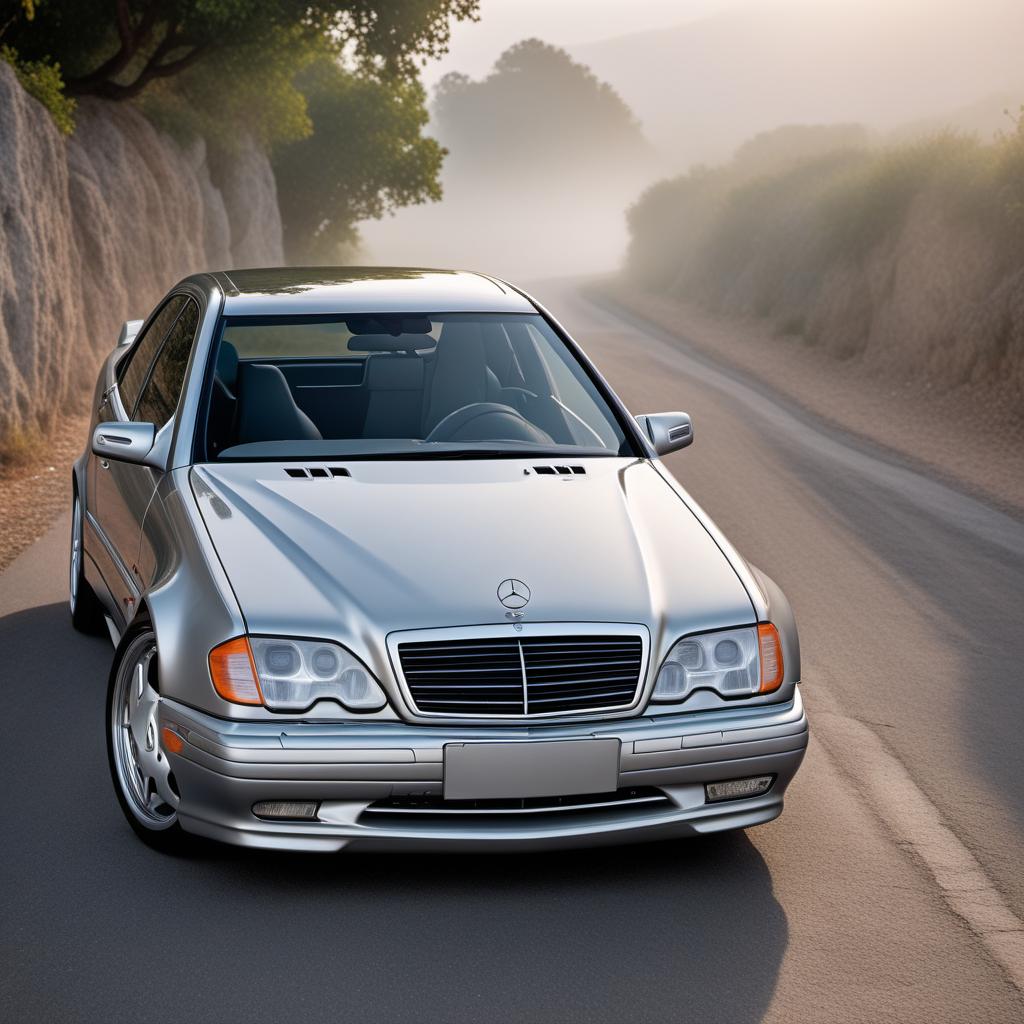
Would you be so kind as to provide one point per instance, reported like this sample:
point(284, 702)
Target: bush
point(42, 80)
point(911, 253)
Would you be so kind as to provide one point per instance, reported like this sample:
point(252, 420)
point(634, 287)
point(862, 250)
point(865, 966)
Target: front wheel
point(86, 610)
point(139, 767)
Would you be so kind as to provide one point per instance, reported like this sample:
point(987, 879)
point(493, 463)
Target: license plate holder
point(499, 771)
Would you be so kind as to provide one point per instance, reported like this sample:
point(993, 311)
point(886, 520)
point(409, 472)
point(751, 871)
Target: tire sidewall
point(171, 837)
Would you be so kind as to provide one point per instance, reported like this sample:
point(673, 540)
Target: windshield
point(444, 385)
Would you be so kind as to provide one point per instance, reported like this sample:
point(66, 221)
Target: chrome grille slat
point(523, 676)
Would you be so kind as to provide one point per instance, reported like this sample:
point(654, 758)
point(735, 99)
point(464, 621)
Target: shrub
point(42, 80)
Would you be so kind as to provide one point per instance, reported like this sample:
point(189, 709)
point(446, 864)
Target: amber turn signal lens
point(770, 647)
point(234, 673)
point(172, 741)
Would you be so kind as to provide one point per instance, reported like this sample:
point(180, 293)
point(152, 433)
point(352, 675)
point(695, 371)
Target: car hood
point(419, 544)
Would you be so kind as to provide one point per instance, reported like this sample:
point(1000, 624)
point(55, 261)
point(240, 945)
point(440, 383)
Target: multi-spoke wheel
point(86, 611)
point(142, 775)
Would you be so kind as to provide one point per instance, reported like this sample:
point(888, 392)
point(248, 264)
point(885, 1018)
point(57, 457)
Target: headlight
point(732, 662)
point(292, 675)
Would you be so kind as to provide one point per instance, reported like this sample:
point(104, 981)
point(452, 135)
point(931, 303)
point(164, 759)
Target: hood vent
point(317, 472)
point(560, 470)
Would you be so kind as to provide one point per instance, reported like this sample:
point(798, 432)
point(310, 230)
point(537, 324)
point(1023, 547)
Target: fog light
point(736, 789)
point(303, 810)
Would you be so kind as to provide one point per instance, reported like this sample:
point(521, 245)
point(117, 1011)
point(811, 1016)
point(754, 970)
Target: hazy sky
point(475, 46)
point(703, 76)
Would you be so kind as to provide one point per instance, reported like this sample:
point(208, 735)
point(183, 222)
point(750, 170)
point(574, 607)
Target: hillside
point(897, 269)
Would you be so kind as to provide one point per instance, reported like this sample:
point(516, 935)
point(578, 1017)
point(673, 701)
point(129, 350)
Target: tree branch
point(155, 68)
point(132, 40)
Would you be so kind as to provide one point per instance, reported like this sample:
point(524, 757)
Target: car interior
point(450, 380)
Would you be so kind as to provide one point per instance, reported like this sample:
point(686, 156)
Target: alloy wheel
point(143, 772)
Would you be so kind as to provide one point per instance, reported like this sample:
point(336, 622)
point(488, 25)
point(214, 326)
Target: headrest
point(390, 343)
point(394, 374)
point(268, 411)
point(227, 364)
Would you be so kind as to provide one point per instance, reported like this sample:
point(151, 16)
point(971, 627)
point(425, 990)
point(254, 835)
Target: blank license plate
point(498, 771)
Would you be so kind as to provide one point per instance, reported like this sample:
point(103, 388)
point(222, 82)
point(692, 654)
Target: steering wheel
point(487, 421)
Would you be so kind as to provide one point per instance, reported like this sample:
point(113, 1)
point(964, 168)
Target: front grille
point(522, 676)
point(405, 812)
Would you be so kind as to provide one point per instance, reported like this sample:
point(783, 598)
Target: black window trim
point(159, 352)
point(123, 365)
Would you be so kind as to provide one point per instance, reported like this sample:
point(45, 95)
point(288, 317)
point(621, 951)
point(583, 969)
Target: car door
point(142, 394)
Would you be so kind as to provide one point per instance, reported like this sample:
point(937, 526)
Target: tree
point(536, 109)
point(116, 48)
point(365, 156)
point(330, 88)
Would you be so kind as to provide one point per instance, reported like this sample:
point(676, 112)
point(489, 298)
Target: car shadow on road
point(656, 932)
point(689, 929)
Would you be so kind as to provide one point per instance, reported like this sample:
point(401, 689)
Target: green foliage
point(116, 48)
point(248, 91)
point(332, 87)
point(42, 79)
point(365, 157)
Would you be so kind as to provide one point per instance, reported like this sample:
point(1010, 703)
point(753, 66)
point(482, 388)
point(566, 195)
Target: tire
point(139, 769)
point(86, 610)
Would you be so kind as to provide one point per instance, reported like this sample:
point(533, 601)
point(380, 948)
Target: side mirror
point(129, 329)
point(667, 431)
point(124, 442)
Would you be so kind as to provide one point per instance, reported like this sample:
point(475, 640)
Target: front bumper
point(357, 770)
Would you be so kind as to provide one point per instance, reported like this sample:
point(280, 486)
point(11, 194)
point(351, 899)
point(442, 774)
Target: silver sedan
point(387, 564)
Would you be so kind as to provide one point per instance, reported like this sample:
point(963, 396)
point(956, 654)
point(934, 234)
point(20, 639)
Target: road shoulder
point(967, 438)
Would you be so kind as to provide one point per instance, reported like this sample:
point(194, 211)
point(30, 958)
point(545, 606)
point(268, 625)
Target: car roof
point(281, 291)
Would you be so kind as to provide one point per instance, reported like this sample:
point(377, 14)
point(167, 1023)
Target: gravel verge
point(34, 493)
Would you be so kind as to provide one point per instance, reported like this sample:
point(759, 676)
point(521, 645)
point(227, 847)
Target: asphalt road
point(890, 889)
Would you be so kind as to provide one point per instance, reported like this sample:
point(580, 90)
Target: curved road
point(891, 889)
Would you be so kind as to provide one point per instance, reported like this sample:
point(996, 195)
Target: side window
point(133, 370)
point(162, 390)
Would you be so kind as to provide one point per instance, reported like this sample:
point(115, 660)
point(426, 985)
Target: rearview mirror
point(124, 442)
point(667, 431)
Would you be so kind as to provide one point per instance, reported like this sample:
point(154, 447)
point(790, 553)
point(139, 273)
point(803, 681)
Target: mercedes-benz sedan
point(388, 565)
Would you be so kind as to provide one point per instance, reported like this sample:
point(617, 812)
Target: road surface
point(891, 888)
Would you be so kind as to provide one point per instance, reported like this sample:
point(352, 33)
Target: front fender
point(189, 599)
point(779, 611)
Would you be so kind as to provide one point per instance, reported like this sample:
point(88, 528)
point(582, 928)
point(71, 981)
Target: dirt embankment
point(970, 434)
point(94, 229)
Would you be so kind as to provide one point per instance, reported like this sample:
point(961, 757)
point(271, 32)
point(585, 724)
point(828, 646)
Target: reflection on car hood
point(413, 545)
